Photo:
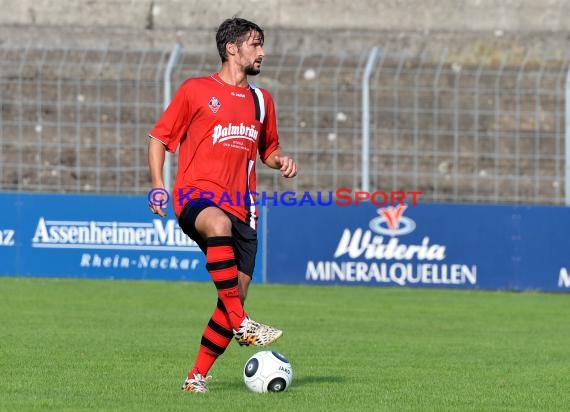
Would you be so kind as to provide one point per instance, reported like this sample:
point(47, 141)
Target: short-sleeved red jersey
point(220, 128)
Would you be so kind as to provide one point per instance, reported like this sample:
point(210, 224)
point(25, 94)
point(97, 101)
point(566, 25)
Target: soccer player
point(221, 122)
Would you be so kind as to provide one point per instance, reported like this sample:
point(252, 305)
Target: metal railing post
point(370, 63)
point(567, 141)
point(172, 61)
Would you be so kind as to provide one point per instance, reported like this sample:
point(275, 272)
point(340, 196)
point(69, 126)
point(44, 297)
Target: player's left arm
point(269, 149)
point(279, 160)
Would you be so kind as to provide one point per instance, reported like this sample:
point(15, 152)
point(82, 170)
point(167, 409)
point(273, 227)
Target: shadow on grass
point(316, 380)
point(233, 385)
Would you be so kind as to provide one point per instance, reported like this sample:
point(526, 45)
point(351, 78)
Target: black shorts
point(245, 237)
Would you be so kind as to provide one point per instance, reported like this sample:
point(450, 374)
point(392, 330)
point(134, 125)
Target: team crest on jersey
point(214, 104)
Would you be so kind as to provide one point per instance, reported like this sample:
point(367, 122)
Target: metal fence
point(459, 130)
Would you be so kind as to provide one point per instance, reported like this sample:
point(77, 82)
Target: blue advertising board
point(427, 245)
point(95, 236)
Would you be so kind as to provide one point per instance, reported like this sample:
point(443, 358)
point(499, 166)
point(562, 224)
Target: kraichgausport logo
point(377, 255)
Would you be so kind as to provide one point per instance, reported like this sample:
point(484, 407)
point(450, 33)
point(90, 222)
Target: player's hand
point(158, 201)
point(158, 210)
point(288, 167)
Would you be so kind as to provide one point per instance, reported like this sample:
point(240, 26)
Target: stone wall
point(406, 15)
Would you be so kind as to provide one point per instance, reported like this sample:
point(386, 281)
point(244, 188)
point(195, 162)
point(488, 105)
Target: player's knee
point(213, 222)
point(221, 226)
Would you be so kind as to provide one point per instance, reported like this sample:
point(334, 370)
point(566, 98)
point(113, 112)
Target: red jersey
point(220, 129)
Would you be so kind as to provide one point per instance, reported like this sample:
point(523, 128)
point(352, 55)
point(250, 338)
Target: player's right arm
point(166, 135)
point(156, 151)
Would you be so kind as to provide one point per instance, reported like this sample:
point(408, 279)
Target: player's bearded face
point(251, 54)
point(252, 70)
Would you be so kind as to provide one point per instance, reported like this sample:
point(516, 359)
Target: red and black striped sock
point(220, 262)
point(215, 339)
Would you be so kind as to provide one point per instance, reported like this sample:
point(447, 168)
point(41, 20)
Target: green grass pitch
point(72, 345)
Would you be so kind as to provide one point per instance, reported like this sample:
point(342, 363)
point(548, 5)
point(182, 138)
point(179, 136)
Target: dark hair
point(235, 30)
